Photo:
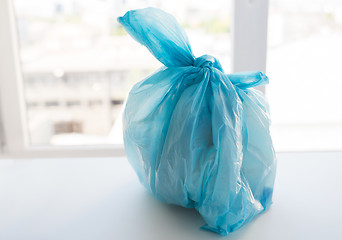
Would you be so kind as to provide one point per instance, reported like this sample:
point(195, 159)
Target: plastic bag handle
point(244, 80)
point(168, 42)
point(161, 34)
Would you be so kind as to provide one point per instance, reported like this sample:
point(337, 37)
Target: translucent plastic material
point(197, 137)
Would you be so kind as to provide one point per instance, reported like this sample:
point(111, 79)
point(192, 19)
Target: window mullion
point(11, 89)
point(249, 35)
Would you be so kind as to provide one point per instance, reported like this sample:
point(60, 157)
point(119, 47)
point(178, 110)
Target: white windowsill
point(101, 198)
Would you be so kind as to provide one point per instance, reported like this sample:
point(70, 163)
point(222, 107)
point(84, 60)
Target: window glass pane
point(304, 62)
point(78, 64)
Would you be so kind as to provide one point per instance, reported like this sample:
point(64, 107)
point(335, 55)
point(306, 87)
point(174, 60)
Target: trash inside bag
point(198, 137)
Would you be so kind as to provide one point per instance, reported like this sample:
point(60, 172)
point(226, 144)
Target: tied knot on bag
point(207, 61)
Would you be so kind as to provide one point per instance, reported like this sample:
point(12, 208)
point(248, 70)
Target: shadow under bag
point(198, 137)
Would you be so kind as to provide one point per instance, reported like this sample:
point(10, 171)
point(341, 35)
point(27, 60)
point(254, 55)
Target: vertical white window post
point(11, 97)
point(249, 35)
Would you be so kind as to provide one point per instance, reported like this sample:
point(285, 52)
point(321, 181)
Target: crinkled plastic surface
point(198, 137)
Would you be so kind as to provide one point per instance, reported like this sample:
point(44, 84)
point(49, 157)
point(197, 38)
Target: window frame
point(249, 40)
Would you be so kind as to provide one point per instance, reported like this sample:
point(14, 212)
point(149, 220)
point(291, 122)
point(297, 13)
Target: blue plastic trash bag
point(198, 137)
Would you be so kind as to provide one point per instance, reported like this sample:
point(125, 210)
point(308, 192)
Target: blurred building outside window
point(303, 64)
